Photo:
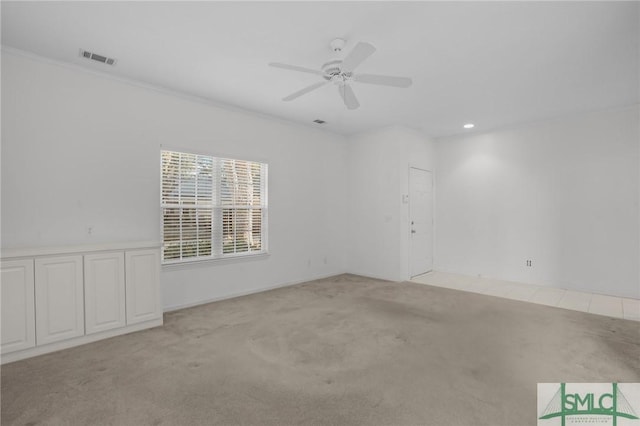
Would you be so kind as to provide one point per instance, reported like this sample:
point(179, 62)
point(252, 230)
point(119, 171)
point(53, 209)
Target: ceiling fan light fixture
point(339, 71)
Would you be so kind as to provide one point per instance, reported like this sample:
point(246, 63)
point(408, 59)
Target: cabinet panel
point(18, 313)
point(104, 291)
point(59, 298)
point(143, 285)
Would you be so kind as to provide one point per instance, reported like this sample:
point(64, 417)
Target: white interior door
point(420, 221)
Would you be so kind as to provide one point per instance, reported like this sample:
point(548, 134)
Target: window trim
point(221, 258)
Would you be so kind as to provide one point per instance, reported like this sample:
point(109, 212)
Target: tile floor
point(598, 304)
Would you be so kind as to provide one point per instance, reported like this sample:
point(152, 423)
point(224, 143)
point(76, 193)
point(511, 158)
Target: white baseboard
point(248, 292)
point(65, 344)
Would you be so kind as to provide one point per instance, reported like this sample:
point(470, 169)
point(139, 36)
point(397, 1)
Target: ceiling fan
point(340, 72)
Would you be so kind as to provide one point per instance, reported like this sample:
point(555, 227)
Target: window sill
point(240, 258)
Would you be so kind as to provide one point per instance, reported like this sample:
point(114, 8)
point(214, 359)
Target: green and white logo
point(588, 404)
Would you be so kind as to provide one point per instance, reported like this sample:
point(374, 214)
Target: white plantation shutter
point(212, 207)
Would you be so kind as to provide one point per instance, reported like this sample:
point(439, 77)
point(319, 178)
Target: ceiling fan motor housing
point(332, 67)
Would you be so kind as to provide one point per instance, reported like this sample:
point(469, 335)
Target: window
point(212, 207)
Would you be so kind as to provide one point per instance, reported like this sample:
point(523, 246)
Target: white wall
point(80, 150)
point(563, 193)
point(379, 164)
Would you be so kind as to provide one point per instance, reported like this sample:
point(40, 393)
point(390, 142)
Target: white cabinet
point(143, 285)
point(59, 298)
point(104, 291)
point(18, 318)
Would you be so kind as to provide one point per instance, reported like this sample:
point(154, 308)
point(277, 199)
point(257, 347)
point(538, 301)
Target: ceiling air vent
point(319, 121)
point(96, 57)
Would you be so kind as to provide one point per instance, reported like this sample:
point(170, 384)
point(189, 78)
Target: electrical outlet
point(529, 262)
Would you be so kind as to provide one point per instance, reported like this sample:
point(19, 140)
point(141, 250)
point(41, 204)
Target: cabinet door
point(104, 298)
point(143, 285)
point(18, 313)
point(59, 299)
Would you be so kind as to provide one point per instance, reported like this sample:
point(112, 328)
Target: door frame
point(410, 248)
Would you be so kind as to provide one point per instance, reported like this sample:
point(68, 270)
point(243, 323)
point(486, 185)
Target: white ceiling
point(490, 63)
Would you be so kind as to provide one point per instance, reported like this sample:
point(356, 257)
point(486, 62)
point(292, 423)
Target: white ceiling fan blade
point(348, 96)
point(295, 68)
point(357, 55)
point(383, 80)
point(304, 91)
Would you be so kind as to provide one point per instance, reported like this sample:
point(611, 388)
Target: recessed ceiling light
point(469, 126)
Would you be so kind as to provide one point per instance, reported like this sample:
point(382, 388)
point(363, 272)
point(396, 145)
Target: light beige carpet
point(341, 351)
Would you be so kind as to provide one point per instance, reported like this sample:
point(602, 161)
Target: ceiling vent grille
point(98, 58)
